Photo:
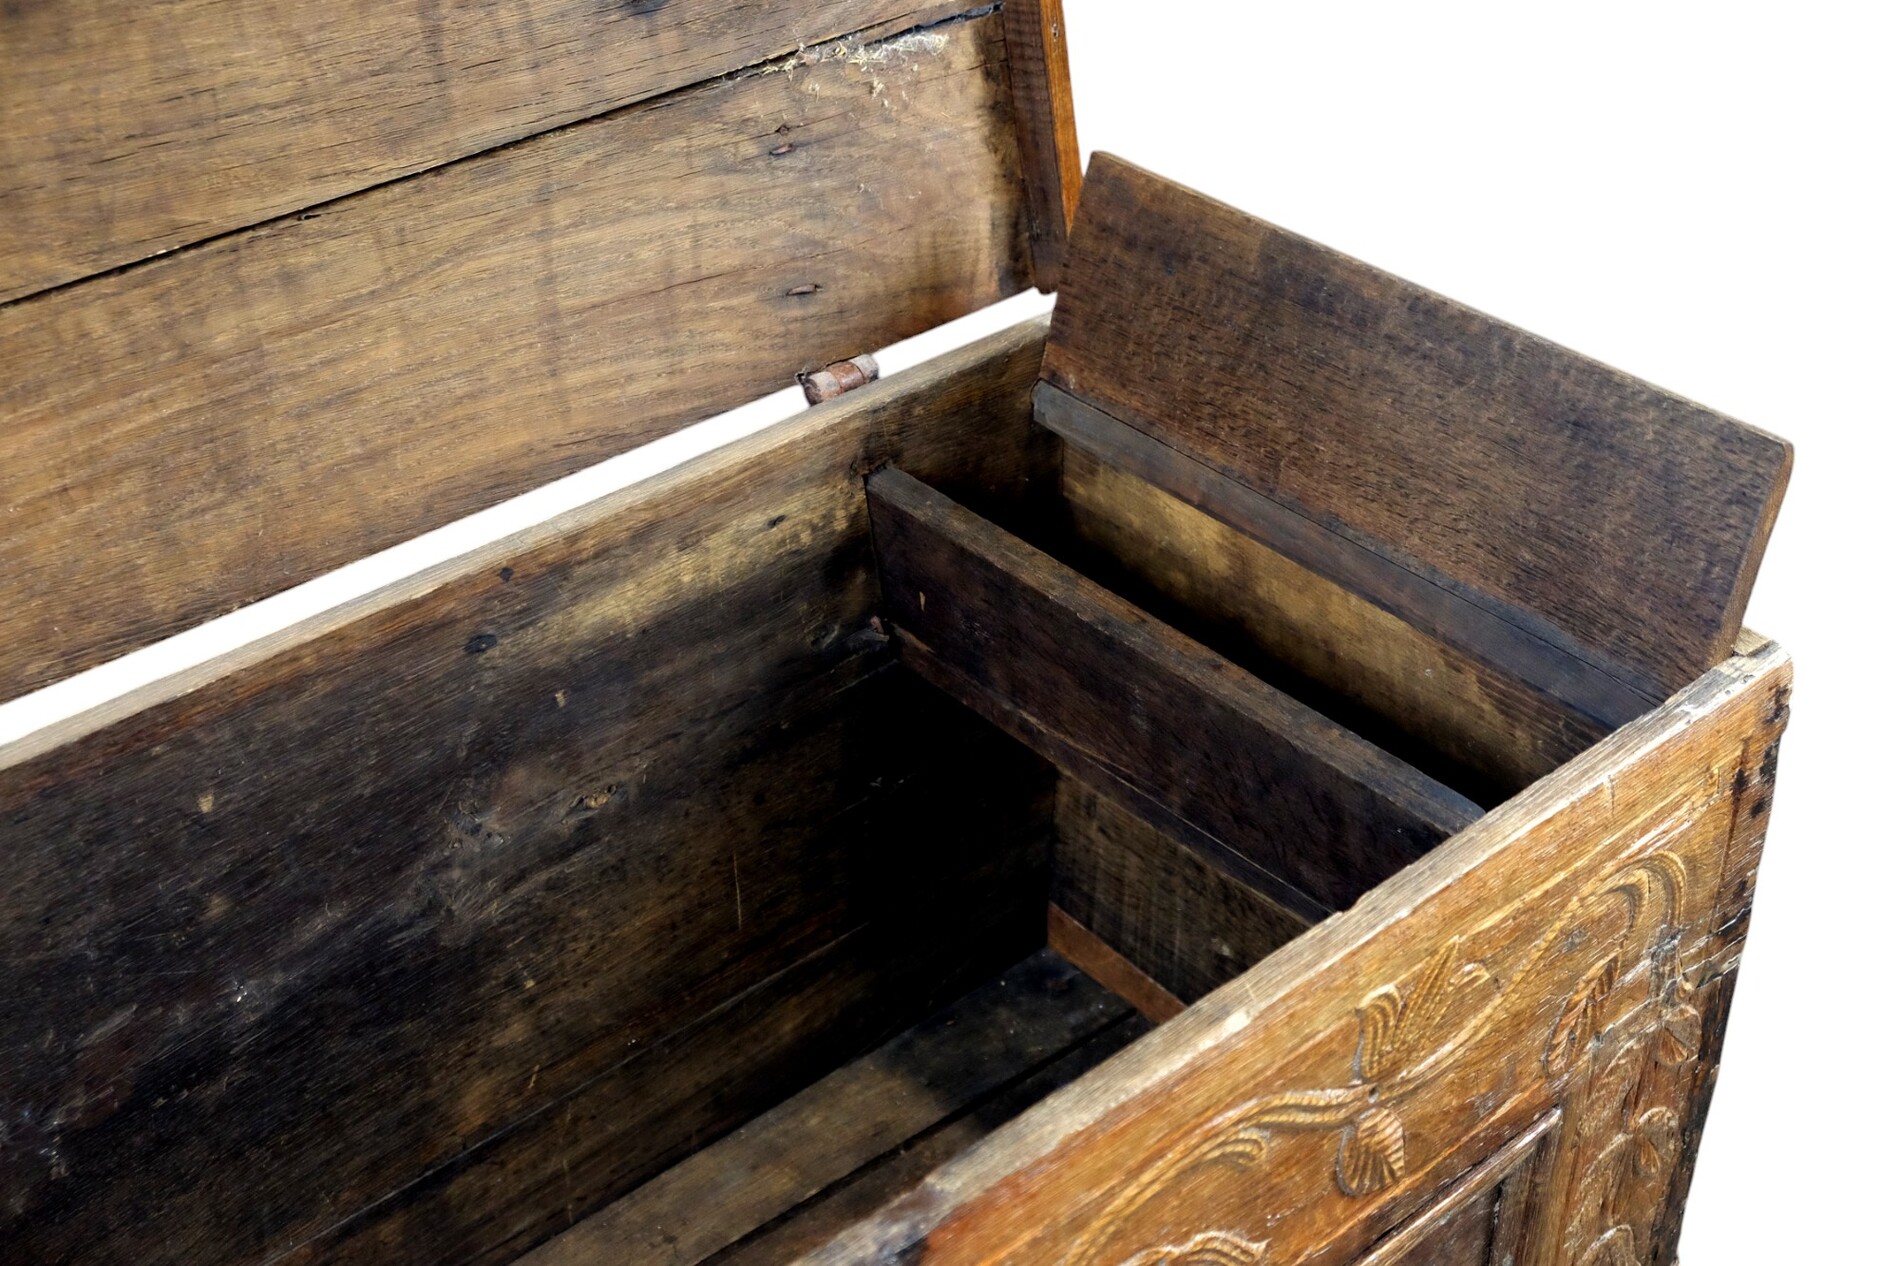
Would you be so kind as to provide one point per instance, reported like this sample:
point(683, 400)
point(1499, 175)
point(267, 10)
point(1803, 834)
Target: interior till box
point(1046, 924)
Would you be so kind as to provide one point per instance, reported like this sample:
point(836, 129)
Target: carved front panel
point(1559, 965)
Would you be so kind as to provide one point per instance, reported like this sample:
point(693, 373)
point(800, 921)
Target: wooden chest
point(1263, 767)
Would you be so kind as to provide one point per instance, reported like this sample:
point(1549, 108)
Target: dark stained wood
point(1104, 965)
point(363, 904)
point(208, 428)
point(1439, 611)
point(1397, 433)
point(129, 131)
point(657, 1105)
point(1454, 717)
point(1045, 128)
point(860, 1196)
point(1550, 963)
point(1109, 693)
point(1154, 901)
point(942, 1069)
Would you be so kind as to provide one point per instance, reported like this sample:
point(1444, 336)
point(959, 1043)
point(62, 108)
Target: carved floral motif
point(1406, 1039)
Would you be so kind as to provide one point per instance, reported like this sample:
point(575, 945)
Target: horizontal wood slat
point(1264, 785)
point(128, 130)
point(343, 941)
point(1444, 464)
point(1425, 604)
point(211, 427)
point(1463, 722)
point(932, 1075)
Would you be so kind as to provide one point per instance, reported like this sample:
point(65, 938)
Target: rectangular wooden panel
point(1510, 497)
point(1156, 902)
point(341, 943)
point(1313, 814)
point(1564, 953)
point(1456, 718)
point(211, 427)
point(129, 130)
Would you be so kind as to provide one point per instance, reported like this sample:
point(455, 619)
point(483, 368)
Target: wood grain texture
point(305, 948)
point(1338, 1089)
point(1154, 901)
point(859, 1196)
point(132, 131)
point(1045, 129)
point(217, 425)
point(1454, 717)
point(1108, 693)
point(1543, 493)
point(943, 1068)
point(1108, 968)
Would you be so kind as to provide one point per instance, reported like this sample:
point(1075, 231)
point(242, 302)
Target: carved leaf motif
point(1209, 1248)
point(1680, 1038)
point(1371, 1152)
point(1379, 1034)
point(1305, 1110)
point(1576, 1022)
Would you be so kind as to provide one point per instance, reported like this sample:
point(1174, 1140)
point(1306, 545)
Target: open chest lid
point(321, 301)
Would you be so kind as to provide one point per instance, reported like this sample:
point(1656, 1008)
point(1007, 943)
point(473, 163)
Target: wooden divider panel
point(415, 932)
point(211, 427)
point(1579, 529)
point(1571, 952)
point(128, 130)
point(1263, 786)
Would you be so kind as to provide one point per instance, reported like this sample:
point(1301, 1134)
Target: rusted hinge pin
point(838, 377)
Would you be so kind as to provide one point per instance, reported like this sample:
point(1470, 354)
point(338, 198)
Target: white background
point(1703, 195)
point(1699, 194)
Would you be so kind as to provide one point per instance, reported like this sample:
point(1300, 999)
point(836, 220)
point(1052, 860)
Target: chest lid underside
point(339, 279)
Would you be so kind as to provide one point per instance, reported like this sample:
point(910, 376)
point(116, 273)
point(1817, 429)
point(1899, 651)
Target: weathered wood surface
point(128, 131)
point(945, 1068)
point(1110, 969)
point(1480, 1220)
point(1154, 901)
point(1264, 785)
point(1045, 129)
point(353, 942)
point(1517, 500)
point(1560, 954)
point(211, 427)
point(1454, 717)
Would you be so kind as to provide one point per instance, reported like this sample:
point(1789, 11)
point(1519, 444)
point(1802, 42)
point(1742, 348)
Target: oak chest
point(1263, 766)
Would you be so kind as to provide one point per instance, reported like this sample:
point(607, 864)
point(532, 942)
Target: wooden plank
point(131, 132)
point(1154, 901)
point(1095, 956)
point(1456, 718)
point(1438, 610)
point(941, 1068)
point(287, 933)
point(1045, 129)
point(214, 426)
point(658, 1104)
point(1098, 686)
point(1550, 957)
point(1388, 432)
point(817, 1221)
